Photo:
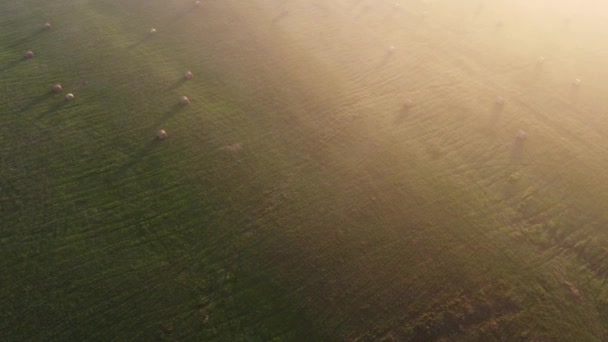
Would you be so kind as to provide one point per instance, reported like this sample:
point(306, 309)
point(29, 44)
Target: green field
point(295, 199)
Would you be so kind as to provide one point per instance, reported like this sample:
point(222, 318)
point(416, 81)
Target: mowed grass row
point(320, 227)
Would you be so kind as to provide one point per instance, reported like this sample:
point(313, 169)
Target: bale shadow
point(53, 109)
point(402, 115)
point(538, 71)
point(574, 94)
point(37, 100)
point(137, 157)
point(385, 59)
point(496, 114)
point(168, 114)
point(146, 38)
point(517, 151)
point(177, 84)
point(26, 39)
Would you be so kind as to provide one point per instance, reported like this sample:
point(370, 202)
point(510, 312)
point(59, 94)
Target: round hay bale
point(152, 31)
point(29, 54)
point(521, 135)
point(48, 26)
point(188, 75)
point(56, 88)
point(197, 3)
point(69, 97)
point(160, 135)
point(184, 100)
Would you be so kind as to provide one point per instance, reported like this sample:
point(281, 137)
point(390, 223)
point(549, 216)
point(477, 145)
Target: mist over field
point(303, 170)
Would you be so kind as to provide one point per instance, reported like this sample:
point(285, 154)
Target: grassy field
point(295, 199)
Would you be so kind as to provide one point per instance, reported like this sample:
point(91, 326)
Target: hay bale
point(69, 97)
point(48, 26)
point(521, 135)
point(197, 3)
point(152, 31)
point(184, 100)
point(29, 54)
point(56, 88)
point(160, 135)
point(188, 75)
point(577, 82)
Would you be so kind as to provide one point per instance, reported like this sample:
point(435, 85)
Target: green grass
point(335, 221)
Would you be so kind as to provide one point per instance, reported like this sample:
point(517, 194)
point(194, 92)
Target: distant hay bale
point(188, 75)
point(29, 54)
point(69, 97)
point(197, 3)
point(56, 88)
point(184, 100)
point(152, 31)
point(48, 26)
point(521, 135)
point(577, 82)
point(161, 134)
point(408, 104)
